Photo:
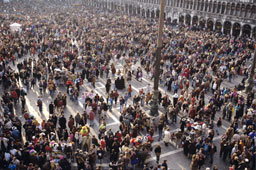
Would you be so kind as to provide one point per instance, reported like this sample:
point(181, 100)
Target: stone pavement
point(175, 157)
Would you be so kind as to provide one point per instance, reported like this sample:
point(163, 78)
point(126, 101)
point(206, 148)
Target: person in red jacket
point(71, 122)
point(14, 96)
point(91, 117)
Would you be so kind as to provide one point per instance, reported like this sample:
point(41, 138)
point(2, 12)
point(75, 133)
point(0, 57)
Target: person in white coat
point(167, 136)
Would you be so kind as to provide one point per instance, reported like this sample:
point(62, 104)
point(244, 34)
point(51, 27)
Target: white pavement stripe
point(113, 123)
point(102, 165)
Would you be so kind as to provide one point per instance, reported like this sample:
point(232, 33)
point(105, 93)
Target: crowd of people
point(56, 49)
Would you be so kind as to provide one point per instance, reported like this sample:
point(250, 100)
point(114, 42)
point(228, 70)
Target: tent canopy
point(15, 27)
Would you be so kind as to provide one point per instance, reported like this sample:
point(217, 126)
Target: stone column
point(231, 31)
point(214, 24)
point(191, 20)
point(241, 30)
point(206, 21)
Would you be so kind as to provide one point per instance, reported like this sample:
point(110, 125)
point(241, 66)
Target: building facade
point(235, 17)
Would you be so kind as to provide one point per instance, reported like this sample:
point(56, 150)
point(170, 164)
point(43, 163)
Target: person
point(165, 165)
point(122, 83)
point(219, 123)
point(175, 99)
point(51, 108)
point(130, 90)
point(121, 102)
point(100, 154)
point(160, 130)
point(212, 151)
point(62, 122)
point(194, 162)
point(158, 153)
point(107, 86)
point(40, 104)
point(77, 118)
point(91, 117)
point(167, 136)
point(215, 167)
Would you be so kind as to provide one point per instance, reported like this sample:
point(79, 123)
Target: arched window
point(227, 27)
point(223, 7)
point(253, 11)
point(214, 7)
point(233, 8)
point(247, 11)
point(246, 31)
point(210, 6)
point(202, 5)
point(237, 10)
point(236, 29)
point(218, 8)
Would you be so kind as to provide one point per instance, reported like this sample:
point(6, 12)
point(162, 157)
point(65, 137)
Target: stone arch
point(227, 27)
point(134, 10)
point(202, 5)
point(138, 10)
point(177, 3)
point(195, 20)
point(202, 23)
point(181, 19)
point(112, 5)
point(228, 6)
point(233, 9)
point(130, 9)
point(253, 11)
point(210, 6)
point(242, 14)
point(254, 32)
point(143, 12)
point(198, 5)
point(219, 7)
point(152, 14)
point(238, 9)
point(126, 8)
point(206, 5)
point(246, 30)
point(210, 24)
point(218, 26)
point(191, 4)
point(223, 7)
point(236, 29)
point(188, 19)
point(214, 7)
point(247, 11)
point(148, 13)
point(157, 13)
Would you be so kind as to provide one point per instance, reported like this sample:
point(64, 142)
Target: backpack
point(39, 102)
point(206, 148)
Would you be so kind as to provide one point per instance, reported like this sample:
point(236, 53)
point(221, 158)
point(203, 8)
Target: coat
point(62, 122)
point(51, 108)
point(167, 136)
